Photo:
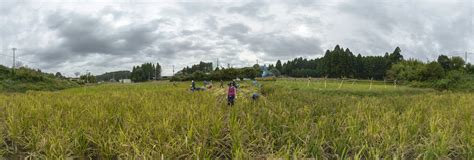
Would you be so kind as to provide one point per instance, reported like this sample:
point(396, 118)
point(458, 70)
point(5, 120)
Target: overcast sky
point(101, 36)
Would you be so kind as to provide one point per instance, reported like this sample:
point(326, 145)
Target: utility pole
point(173, 70)
point(257, 61)
point(217, 63)
point(13, 67)
point(465, 57)
point(87, 76)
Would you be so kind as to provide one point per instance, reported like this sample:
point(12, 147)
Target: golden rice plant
point(293, 119)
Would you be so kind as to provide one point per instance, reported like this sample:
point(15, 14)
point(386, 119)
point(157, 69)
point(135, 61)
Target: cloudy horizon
point(103, 36)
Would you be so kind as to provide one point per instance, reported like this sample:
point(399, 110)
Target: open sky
point(101, 36)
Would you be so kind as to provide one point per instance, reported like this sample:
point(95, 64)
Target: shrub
point(455, 80)
point(442, 84)
point(266, 79)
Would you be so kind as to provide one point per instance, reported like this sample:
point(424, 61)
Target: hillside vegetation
point(24, 79)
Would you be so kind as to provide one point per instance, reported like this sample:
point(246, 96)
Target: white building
point(125, 81)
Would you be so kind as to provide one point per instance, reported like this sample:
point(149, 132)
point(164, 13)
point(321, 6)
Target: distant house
point(266, 72)
point(125, 81)
point(75, 79)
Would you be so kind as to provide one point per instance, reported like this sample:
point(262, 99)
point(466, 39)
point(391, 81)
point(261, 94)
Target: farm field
point(292, 119)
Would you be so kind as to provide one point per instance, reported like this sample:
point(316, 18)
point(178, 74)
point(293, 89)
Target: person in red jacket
point(231, 93)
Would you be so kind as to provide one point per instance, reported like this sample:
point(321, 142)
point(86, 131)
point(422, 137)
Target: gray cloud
point(236, 30)
point(81, 35)
point(286, 47)
point(84, 35)
point(181, 47)
point(110, 36)
point(424, 29)
point(275, 44)
point(252, 8)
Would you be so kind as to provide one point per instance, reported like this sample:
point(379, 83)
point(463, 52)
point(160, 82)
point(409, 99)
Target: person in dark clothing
point(222, 84)
point(255, 96)
point(193, 85)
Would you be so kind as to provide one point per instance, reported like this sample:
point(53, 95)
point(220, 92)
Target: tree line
point(445, 73)
point(146, 72)
point(202, 66)
point(114, 76)
point(340, 63)
point(219, 73)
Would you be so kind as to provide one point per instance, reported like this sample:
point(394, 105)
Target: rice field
point(291, 119)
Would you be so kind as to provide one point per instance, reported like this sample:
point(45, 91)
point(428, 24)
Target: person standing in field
point(222, 84)
point(193, 85)
point(231, 93)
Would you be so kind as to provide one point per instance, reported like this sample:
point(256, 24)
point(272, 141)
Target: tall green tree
point(58, 75)
point(279, 66)
point(396, 56)
point(445, 62)
point(145, 72)
point(411, 70)
point(470, 68)
point(433, 71)
point(157, 71)
point(457, 63)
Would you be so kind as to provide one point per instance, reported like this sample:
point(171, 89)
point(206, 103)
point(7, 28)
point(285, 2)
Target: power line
point(6, 55)
point(20, 60)
point(29, 63)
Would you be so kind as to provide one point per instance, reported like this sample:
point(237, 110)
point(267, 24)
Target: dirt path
point(224, 150)
point(245, 91)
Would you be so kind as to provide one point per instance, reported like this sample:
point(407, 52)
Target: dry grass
point(292, 120)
